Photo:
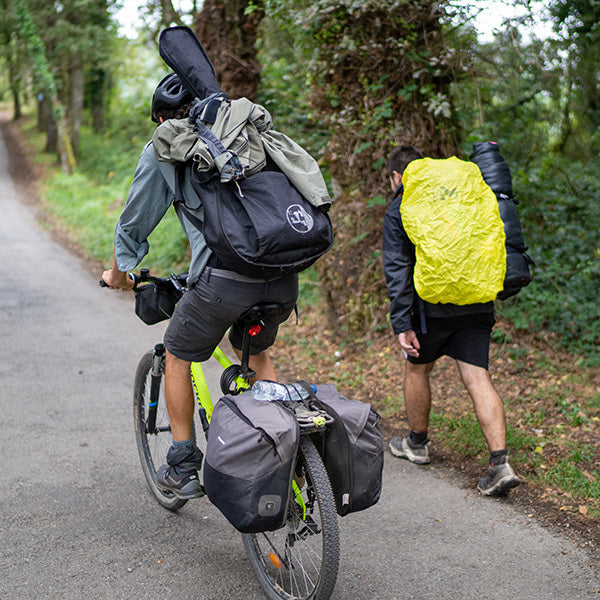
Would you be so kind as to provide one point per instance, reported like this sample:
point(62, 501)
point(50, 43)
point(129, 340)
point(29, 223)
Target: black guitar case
point(182, 51)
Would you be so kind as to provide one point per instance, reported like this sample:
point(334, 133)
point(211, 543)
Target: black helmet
point(169, 95)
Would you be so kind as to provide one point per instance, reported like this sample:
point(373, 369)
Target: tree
point(380, 75)
point(45, 81)
point(228, 30)
point(12, 54)
point(577, 21)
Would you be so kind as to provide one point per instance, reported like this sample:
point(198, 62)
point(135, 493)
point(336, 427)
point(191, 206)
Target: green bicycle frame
point(201, 387)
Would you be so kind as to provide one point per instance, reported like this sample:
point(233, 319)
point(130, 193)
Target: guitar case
point(182, 51)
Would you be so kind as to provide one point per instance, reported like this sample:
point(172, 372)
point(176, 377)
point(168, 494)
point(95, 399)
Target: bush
point(560, 215)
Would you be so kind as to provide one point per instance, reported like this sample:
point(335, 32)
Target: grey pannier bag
point(352, 450)
point(250, 458)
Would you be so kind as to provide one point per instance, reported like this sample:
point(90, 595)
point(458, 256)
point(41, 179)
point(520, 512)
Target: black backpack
point(260, 225)
point(496, 173)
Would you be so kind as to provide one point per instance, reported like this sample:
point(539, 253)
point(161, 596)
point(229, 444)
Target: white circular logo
point(299, 219)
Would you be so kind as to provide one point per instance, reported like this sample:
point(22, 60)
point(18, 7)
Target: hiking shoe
point(499, 479)
point(402, 447)
point(180, 475)
point(183, 484)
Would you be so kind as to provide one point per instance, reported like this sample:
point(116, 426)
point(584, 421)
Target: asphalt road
point(77, 522)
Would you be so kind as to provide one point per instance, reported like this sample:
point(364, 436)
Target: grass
point(86, 205)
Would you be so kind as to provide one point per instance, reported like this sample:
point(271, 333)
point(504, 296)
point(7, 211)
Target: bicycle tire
point(300, 561)
point(153, 447)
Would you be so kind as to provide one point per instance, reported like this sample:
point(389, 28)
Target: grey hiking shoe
point(498, 480)
point(402, 447)
point(180, 475)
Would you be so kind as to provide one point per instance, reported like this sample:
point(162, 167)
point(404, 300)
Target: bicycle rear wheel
point(300, 561)
point(153, 445)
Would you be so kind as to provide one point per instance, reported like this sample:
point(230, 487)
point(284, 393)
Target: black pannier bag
point(496, 173)
point(155, 303)
point(352, 450)
point(249, 464)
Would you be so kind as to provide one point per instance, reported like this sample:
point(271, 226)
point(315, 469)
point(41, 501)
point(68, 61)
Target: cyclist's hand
point(117, 280)
point(409, 343)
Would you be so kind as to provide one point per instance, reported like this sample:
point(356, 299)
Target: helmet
point(169, 95)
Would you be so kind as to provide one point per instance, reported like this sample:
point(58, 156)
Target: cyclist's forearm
point(115, 278)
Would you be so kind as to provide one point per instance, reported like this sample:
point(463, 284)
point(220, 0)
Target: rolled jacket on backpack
point(245, 129)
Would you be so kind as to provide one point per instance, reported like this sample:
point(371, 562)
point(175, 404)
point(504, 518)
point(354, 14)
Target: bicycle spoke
point(300, 561)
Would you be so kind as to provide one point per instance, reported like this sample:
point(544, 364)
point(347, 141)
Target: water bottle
point(268, 391)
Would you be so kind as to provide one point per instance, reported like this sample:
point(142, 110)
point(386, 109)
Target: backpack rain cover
point(451, 216)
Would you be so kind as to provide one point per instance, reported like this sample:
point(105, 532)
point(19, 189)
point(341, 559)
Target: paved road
point(77, 522)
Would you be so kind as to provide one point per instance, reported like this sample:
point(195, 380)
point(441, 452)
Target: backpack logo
point(299, 219)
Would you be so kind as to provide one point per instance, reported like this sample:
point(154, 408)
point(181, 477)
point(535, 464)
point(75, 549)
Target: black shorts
point(465, 338)
point(215, 303)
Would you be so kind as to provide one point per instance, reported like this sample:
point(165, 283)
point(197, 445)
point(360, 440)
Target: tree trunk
point(51, 136)
point(381, 78)
point(228, 30)
point(14, 88)
point(96, 92)
point(75, 106)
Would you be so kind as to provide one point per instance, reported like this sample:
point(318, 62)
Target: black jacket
point(407, 310)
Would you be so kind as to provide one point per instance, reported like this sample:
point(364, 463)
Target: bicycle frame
point(201, 387)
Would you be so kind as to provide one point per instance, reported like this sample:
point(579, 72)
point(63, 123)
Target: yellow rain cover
point(451, 215)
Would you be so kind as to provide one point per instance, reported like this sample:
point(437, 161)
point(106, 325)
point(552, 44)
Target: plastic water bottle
point(268, 391)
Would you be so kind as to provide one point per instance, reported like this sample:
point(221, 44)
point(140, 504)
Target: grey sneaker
point(402, 447)
point(498, 480)
point(184, 485)
point(180, 475)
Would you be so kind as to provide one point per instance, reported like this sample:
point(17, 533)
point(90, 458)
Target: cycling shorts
point(465, 338)
point(215, 303)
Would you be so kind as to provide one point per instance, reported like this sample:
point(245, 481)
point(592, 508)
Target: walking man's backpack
point(496, 173)
point(461, 216)
point(263, 196)
point(451, 216)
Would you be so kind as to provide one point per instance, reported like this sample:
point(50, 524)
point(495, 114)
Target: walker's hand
point(117, 280)
point(409, 343)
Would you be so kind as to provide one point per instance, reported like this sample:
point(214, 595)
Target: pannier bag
point(352, 450)
point(155, 303)
point(250, 458)
point(496, 173)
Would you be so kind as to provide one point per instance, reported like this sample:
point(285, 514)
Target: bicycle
point(297, 562)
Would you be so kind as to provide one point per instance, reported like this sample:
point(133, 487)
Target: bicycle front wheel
point(300, 561)
point(153, 433)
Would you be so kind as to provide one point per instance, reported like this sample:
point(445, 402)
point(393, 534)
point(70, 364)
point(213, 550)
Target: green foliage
point(560, 215)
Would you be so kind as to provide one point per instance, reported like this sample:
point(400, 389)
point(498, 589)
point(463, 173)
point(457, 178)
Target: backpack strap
point(179, 202)
point(227, 162)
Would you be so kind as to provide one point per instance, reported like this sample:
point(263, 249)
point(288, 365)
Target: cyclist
point(215, 300)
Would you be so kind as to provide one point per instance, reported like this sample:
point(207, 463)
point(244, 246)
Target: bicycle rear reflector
point(254, 330)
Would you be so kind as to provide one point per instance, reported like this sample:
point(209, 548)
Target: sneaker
point(180, 475)
point(183, 484)
point(402, 447)
point(499, 479)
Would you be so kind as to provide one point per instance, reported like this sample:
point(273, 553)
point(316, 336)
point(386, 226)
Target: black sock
point(418, 438)
point(496, 456)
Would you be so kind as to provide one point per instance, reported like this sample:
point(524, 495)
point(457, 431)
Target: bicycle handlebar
point(177, 281)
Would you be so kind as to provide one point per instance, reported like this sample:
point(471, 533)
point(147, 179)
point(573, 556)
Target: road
point(77, 521)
